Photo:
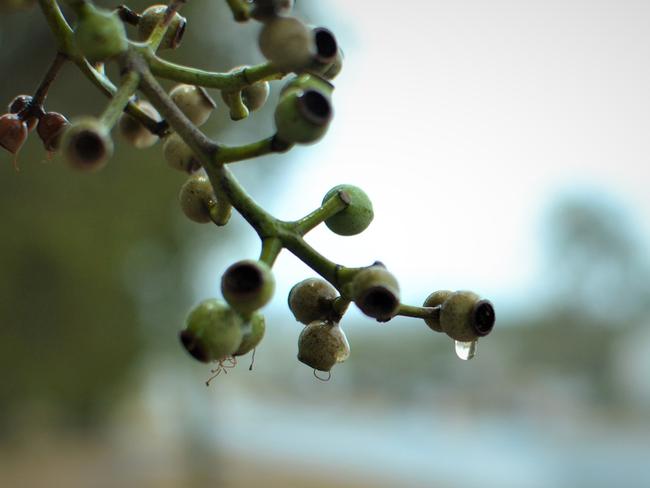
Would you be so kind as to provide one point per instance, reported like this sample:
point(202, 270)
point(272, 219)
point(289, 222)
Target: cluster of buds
point(219, 330)
point(24, 113)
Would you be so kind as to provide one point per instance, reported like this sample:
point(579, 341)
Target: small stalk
point(271, 247)
point(418, 312)
point(331, 207)
point(121, 98)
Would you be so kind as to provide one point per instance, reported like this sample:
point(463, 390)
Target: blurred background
point(505, 147)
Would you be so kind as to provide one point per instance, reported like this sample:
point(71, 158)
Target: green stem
point(232, 154)
point(240, 10)
point(121, 98)
point(231, 81)
point(238, 109)
point(331, 207)
point(271, 247)
point(419, 312)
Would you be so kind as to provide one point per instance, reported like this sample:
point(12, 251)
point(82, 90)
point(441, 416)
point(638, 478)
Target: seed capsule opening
point(315, 107)
point(326, 45)
point(180, 32)
point(378, 302)
point(243, 279)
point(483, 317)
point(89, 146)
point(193, 347)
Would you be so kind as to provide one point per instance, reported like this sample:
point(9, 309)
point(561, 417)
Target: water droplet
point(466, 350)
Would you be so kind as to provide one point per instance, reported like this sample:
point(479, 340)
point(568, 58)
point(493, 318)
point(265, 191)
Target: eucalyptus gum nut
point(356, 217)
point(100, 34)
point(150, 17)
point(179, 155)
point(195, 198)
point(50, 128)
point(311, 300)
point(212, 331)
point(194, 102)
point(248, 285)
point(465, 317)
point(86, 144)
point(302, 117)
point(253, 335)
point(326, 47)
point(332, 70)
point(264, 10)
point(435, 300)
point(322, 344)
point(287, 43)
point(13, 132)
point(134, 132)
point(376, 292)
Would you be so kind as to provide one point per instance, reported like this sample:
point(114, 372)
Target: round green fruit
point(356, 217)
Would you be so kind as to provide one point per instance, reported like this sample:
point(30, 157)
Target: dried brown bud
point(13, 132)
point(50, 128)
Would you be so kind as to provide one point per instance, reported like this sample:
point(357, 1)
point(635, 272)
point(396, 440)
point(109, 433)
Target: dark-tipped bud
point(86, 145)
point(248, 285)
point(311, 300)
point(253, 334)
point(265, 10)
point(303, 116)
point(194, 102)
point(356, 217)
point(376, 292)
point(13, 132)
point(196, 197)
point(212, 331)
point(100, 34)
point(134, 132)
point(322, 344)
point(287, 43)
point(464, 316)
point(51, 127)
point(19, 103)
point(179, 155)
point(436, 299)
point(151, 16)
point(326, 47)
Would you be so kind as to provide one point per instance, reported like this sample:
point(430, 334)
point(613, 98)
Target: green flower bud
point(254, 332)
point(194, 102)
point(100, 34)
point(179, 155)
point(13, 132)
point(302, 116)
point(465, 317)
point(151, 16)
point(265, 10)
point(212, 331)
point(287, 43)
point(376, 292)
point(86, 144)
point(196, 197)
point(134, 132)
point(356, 217)
point(436, 299)
point(322, 344)
point(51, 127)
point(311, 300)
point(248, 285)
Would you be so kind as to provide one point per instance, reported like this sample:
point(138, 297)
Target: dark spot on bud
point(315, 107)
point(378, 302)
point(483, 317)
point(192, 346)
point(243, 279)
point(89, 146)
point(326, 45)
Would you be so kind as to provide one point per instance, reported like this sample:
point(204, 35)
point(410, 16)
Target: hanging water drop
point(466, 350)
